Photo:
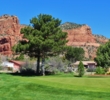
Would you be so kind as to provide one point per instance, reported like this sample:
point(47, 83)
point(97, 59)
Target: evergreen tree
point(81, 69)
point(44, 38)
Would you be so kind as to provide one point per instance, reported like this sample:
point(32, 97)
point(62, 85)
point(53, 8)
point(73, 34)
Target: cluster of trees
point(103, 55)
point(45, 38)
point(103, 59)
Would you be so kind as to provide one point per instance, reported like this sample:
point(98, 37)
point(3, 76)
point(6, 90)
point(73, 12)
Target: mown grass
point(58, 87)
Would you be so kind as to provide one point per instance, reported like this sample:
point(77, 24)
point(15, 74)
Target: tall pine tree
point(44, 38)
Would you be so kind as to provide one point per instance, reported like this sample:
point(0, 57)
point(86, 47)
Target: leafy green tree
point(74, 53)
point(81, 69)
point(44, 38)
point(103, 55)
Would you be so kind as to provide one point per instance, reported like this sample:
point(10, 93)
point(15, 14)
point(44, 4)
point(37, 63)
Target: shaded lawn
point(58, 87)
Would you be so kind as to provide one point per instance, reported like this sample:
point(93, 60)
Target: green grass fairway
point(58, 87)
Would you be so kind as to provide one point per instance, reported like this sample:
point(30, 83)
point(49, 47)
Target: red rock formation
point(79, 37)
point(9, 33)
point(82, 37)
point(81, 34)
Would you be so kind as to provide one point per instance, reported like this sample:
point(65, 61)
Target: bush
point(107, 70)
point(1, 67)
point(81, 69)
point(91, 69)
point(100, 70)
point(55, 65)
point(28, 68)
point(21, 57)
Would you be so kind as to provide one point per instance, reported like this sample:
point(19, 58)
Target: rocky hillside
point(81, 36)
point(9, 33)
point(100, 38)
point(78, 35)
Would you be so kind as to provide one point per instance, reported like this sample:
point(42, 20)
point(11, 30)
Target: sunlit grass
point(58, 87)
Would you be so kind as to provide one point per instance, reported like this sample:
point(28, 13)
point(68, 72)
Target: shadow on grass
point(77, 76)
point(30, 72)
point(25, 72)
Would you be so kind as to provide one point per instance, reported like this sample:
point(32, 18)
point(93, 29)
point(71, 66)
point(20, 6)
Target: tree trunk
point(38, 63)
point(42, 67)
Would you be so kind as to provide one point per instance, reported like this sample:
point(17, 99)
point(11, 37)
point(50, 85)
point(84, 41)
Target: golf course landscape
point(54, 87)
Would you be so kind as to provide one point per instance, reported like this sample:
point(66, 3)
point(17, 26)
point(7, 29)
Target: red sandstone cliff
point(9, 33)
point(82, 37)
point(79, 36)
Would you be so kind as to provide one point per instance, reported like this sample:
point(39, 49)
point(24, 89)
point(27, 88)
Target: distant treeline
point(70, 25)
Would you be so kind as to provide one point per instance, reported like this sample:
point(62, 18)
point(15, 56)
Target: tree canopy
point(44, 37)
point(74, 53)
point(103, 55)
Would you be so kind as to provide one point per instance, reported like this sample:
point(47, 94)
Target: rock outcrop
point(81, 36)
point(78, 36)
point(9, 33)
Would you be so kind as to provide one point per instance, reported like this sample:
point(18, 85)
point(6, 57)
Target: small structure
point(8, 66)
point(87, 64)
point(17, 64)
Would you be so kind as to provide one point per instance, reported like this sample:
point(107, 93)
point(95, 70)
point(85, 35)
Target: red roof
point(17, 62)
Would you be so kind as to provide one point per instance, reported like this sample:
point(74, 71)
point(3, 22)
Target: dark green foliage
point(44, 37)
point(81, 69)
point(74, 53)
point(100, 70)
point(103, 55)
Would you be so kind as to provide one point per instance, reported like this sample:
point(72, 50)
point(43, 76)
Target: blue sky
point(94, 13)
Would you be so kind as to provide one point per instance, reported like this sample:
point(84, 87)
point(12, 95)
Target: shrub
point(100, 70)
point(91, 69)
point(107, 70)
point(21, 57)
point(55, 65)
point(28, 68)
point(1, 67)
point(81, 69)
